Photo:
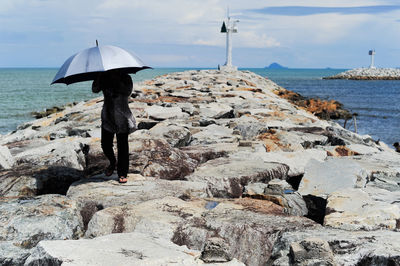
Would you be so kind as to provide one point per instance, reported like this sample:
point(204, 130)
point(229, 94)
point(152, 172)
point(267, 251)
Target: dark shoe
point(122, 179)
point(109, 170)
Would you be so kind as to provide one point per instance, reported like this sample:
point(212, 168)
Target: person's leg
point(123, 154)
point(107, 139)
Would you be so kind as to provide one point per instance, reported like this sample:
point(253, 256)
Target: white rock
point(116, 249)
point(295, 160)
point(6, 159)
point(66, 152)
point(177, 136)
point(227, 177)
point(213, 134)
point(107, 192)
point(323, 178)
point(162, 113)
point(215, 110)
point(354, 209)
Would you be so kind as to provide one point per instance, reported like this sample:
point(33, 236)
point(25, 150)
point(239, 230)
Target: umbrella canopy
point(86, 64)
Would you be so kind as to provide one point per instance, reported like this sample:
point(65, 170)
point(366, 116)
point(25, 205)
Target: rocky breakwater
point(369, 74)
point(223, 171)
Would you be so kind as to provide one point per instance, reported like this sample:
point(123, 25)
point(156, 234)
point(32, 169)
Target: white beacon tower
point(372, 54)
point(229, 27)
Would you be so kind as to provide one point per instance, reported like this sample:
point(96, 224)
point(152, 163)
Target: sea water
point(377, 104)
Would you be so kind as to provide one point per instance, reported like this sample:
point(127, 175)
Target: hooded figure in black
point(116, 119)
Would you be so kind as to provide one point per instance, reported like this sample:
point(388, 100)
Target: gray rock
point(162, 215)
point(323, 178)
point(215, 110)
point(156, 158)
point(67, 152)
point(177, 136)
point(254, 189)
point(348, 247)
point(11, 254)
point(204, 153)
point(26, 180)
point(227, 178)
point(186, 107)
point(249, 127)
point(6, 159)
point(295, 160)
point(28, 221)
point(161, 113)
point(306, 140)
point(106, 191)
point(215, 250)
point(245, 233)
point(239, 225)
point(213, 134)
point(311, 251)
point(355, 209)
point(279, 192)
point(125, 249)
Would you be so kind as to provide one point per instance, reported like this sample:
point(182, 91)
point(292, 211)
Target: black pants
point(107, 139)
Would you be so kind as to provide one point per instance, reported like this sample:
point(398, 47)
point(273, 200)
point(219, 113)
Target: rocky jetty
point(223, 171)
point(369, 74)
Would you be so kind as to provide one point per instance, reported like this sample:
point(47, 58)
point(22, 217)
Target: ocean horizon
point(27, 90)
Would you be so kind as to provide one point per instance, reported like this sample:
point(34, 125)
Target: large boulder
point(27, 221)
point(279, 192)
point(106, 192)
point(177, 136)
point(220, 229)
point(156, 158)
point(123, 249)
point(215, 110)
point(348, 247)
point(10, 254)
point(66, 152)
point(296, 160)
point(227, 177)
point(248, 230)
point(212, 134)
point(356, 209)
point(323, 178)
point(204, 153)
point(27, 180)
point(311, 251)
point(161, 113)
point(163, 215)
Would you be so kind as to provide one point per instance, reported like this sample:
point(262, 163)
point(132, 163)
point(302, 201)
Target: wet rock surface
point(224, 170)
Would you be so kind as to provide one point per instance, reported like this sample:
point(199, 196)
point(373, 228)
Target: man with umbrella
point(108, 67)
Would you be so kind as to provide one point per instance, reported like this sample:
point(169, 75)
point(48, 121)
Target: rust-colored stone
point(324, 109)
point(261, 206)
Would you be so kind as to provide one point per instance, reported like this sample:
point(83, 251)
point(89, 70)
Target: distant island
point(276, 66)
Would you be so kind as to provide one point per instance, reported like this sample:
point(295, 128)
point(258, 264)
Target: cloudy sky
point(186, 33)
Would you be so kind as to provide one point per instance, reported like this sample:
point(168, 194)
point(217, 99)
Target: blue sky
point(183, 33)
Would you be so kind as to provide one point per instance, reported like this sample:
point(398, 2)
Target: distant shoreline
point(368, 74)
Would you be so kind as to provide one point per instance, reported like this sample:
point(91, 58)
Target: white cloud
point(256, 40)
point(168, 58)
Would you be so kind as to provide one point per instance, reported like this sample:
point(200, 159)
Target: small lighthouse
point(229, 27)
point(372, 54)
